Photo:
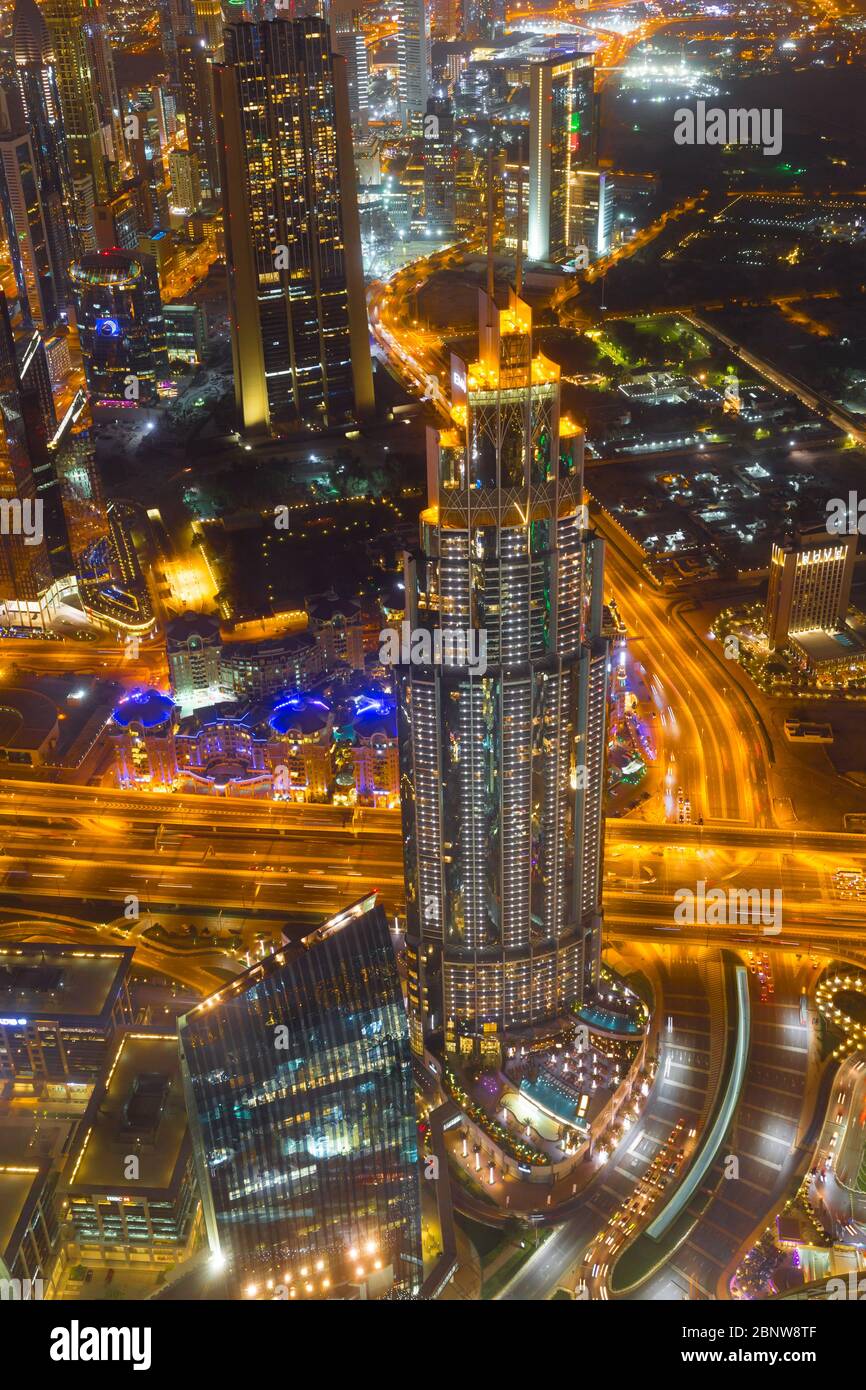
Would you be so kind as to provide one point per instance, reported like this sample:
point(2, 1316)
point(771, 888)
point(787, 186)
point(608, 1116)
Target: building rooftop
point(47, 982)
point(19, 1187)
point(140, 1110)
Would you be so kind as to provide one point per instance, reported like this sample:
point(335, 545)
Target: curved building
point(120, 323)
point(502, 699)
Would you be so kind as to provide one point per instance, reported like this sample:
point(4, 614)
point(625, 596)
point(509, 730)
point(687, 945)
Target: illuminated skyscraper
point(293, 244)
point(175, 20)
point(120, 324)
point(27, 593)
point(207, 23)
point(300, 1096)
point(440, 168)
point(105, 87)
point(197, 102)
point(503, 733)
point(413, 59)
point(562, 140)
point(79, 114)
point(41, 116)
point(26, 231)
point(348, 39)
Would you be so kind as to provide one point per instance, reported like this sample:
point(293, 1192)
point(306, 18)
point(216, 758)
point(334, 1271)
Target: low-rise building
point(60, 1010)
point(129, 1190)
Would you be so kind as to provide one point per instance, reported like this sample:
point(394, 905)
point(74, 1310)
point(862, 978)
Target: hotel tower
point(502, 760)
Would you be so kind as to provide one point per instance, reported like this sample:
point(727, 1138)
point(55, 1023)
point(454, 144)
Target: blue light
point(107, 328)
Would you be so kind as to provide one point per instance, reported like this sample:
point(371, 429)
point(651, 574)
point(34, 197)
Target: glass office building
point(299, 1090)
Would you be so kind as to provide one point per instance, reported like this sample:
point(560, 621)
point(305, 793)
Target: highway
point(772, 1136)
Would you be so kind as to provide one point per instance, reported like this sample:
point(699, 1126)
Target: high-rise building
point(440, 168)
point(445, 18)
point(39, 419)
point(810, 585)
point(183, 172)
point(349, 40)
point(293, 244)
point(37, 85)
point(24, 216)
point(79, 114)
point(105, 88)
point(119, 313)
point(175, 20)
point(207, 24)
point(300, 1096)
point(483, 19)
point(197, 103)
point(503, 708)
point(591, 212)
point(25, 567)
point(562, 139)
point(413, 59)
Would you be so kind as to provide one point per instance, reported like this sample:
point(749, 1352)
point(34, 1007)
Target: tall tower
point(37, 85)
point(562, 141)
point(503, 729)
point(349, 40)
point(27, 521)
point(30, 248)
point(293, 244)
point(197, 102)
point(207, 23)
point(79, 114)
point(413, 60)
point(440, 167)
point(105, 87)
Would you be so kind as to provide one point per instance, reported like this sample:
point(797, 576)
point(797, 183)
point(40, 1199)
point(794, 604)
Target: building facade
point(119, 312)
point(503, 731)
point(810, 585)
point(562, 140)
point(299, 322)
point(300, 1095)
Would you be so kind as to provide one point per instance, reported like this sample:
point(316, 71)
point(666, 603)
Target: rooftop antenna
point(518, 259)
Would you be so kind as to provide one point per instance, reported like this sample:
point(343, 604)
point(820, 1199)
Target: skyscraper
point(197, 102)
point(299, 1091)
point(349, 40)
point(413, 58)
point(105, 88)
point(24, 216)
point(207, 23)
point(119, 313)
point(25, 564)
point(440, 168)
point(79, 114)
point(503, 733)
point(41, 115)
point(293, 244)
point(562, 140)
point(175, 20)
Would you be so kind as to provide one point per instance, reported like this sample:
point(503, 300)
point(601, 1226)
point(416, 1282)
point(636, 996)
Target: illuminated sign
point(12, 1022)
point(107, 328)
